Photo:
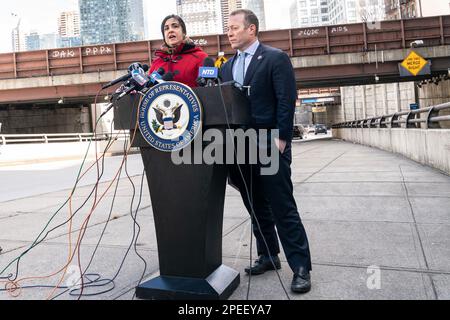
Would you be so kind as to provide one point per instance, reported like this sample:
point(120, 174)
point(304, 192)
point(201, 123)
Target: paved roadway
point(367, 213)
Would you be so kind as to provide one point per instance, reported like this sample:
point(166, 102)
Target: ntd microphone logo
point(155, 77)
point(208, 72)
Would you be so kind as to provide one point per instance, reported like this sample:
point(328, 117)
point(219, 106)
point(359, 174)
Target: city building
point(201, 16)
point(228, 6)
point(110, 21)
point(406, 9)
point(135, 19)
point(67, 42)
point(371, 10)
point(314, 13)
point(69, 24)
point(32, 41)
point(416, 8)
point(18, 40)
point(257, 6)
point(309, 13)
point(49, 41)
point(69, 29)
point(36, 41)
point(343, 11)
point(17, 36)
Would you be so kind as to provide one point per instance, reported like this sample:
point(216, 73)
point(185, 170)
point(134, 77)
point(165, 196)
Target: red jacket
point(184, 62)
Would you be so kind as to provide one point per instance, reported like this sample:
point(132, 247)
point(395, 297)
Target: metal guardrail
point(8, 139)
point(404, 119)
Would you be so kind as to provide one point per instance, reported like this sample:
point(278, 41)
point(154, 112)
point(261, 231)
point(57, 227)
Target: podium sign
point(170, 116)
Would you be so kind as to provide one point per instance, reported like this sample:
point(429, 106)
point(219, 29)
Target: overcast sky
point(41, 15)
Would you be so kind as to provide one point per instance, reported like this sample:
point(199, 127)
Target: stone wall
point(35, 119)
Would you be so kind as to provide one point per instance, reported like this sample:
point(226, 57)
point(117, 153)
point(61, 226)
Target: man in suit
point(269, 76)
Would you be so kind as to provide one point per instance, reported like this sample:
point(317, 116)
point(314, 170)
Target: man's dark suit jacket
point(273, 92)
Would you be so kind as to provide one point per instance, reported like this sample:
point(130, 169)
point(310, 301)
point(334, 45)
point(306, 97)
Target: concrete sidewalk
point(367, 213)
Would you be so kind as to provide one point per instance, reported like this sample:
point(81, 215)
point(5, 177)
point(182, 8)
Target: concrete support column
point(375, 113)
point(398, 97)
point(364, 102)
point(93, 115)
point(385, 99)
point(343, 106)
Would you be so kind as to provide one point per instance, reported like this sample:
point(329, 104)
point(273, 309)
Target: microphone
point(139, 81)
point(133, 66)
point(156, 76)
point(140, 77)
point(208, 74)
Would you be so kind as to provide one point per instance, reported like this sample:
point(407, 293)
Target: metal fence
point(8, 139)
point(426, 118)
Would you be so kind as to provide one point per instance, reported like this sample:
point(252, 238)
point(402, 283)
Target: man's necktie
point(240, 68)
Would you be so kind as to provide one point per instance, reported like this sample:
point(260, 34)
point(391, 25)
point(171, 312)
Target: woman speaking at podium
point(178, 55)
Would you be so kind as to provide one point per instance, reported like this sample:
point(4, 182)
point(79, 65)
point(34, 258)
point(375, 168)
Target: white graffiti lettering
point(308, 32)
point(61, 54)
point(339, 29)
point(201, 42)
point(94, 51)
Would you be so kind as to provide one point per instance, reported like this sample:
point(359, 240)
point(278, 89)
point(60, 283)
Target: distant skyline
point(48, 12)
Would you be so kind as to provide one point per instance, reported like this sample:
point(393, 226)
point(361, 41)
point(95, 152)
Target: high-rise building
point(228, 6)
point(201, 16)
point(109, 21)
point(343, 11)
point(32, 41)
point(136, 23)
point(313, 13)
point(309, 13)
point(406, 9)
point(17, 37)
point(371, 10)
point(18, 40)
point(257, 6)
point(67, 42)
point(49, 41)
point(69, 24)
point(36, 41)
point(416, 8)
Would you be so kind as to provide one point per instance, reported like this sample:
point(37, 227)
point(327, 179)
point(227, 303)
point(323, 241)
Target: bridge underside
point(82, 93)
point(314, 77)
point(362, 74)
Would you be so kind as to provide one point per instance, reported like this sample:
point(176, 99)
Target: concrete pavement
point(378, 226)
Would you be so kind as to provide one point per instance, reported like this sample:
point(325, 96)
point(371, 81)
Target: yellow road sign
point(220, 61)
point(414, 63)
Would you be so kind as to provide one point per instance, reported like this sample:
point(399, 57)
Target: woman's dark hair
point(178, 18)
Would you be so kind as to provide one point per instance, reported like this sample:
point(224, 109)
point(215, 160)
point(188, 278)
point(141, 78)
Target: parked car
point(299, 131)
point(320, 128)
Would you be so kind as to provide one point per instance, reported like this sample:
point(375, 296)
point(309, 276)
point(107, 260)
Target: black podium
point(188, 202)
